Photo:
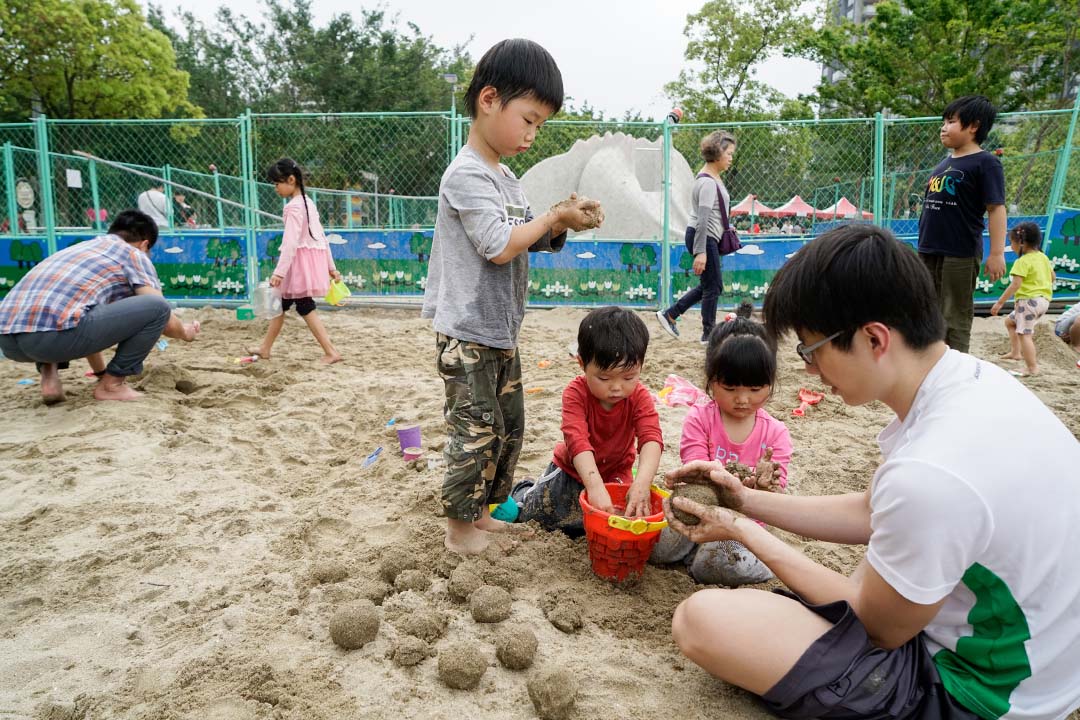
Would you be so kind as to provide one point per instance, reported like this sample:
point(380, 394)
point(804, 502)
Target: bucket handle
point(637, 526)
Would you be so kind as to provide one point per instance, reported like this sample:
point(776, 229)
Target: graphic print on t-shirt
point(515, 214)
point(943, 188)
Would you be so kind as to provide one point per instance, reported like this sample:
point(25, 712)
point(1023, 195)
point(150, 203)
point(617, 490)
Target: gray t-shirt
point(470, 297)
point(705, 211)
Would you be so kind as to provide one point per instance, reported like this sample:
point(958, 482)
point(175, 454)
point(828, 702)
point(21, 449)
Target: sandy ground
point(181, 557)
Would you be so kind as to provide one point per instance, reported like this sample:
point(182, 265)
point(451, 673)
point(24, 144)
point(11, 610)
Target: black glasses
point(807, 352)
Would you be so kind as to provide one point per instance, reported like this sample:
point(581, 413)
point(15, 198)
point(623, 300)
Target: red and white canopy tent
point(843, 208)
point(795, 207)
point(750, 205)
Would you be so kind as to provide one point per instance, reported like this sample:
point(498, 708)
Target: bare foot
point(466, 539)
point(263, 354)
point(52, 390)
point(111, 387)
point(1009, 356)
point(331, 359)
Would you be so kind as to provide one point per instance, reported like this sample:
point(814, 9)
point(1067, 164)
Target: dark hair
point(516, 68)
point(972, 109)
point(740, 352)
point(1027, 233)
point(853, 275)
point(714, 144)
point(280, 172)
point(134, 226)
point(612, 337)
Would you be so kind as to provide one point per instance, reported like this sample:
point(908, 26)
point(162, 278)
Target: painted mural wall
point(212, 265)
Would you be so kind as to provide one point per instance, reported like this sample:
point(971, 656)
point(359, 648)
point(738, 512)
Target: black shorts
point(304, 305)
point(843, 675)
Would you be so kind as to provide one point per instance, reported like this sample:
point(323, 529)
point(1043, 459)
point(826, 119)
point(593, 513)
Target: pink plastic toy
point(806, 399)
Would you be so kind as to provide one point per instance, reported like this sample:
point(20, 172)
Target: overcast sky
point(616, 55)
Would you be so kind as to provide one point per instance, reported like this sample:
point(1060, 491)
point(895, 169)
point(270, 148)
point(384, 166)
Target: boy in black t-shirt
point(964, 186)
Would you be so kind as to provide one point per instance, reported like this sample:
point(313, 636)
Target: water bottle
point(266, 302)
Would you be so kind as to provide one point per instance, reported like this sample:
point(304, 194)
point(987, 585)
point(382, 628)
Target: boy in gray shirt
point(478, 279)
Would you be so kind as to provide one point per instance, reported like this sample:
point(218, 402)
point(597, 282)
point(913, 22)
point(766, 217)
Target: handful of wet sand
point(594, 216)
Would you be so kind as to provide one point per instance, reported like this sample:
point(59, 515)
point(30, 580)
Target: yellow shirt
point(1038, 274)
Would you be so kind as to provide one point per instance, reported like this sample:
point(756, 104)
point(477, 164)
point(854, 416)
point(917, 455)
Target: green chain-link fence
point(381, 171)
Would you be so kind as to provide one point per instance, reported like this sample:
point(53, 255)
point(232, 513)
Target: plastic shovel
point(806, 399)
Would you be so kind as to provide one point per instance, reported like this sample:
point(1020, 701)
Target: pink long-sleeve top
point(704, 438)
point(306, 261)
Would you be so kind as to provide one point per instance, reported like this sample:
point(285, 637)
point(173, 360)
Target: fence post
point(9, 184)
point(250, 199)
point(1057, 187)
point(879, 166)
point(166, 171)
point(665, 251)
point(217, 194)
point(41, 141)
point(95, 196)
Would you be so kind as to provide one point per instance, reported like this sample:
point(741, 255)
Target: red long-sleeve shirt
point(609, 434)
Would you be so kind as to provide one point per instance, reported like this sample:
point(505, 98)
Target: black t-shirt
point(955, 202)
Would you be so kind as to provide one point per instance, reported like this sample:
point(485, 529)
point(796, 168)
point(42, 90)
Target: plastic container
point(266, 301)
point(408, 437)
point(245, 312)
point(619, 547)
point(507, 511)
point(338, 291)
point(412, 453)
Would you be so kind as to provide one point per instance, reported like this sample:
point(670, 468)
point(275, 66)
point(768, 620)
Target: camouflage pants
point(485, 422)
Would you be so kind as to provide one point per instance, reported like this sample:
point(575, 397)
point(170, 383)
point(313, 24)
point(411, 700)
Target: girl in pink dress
point(306, 266)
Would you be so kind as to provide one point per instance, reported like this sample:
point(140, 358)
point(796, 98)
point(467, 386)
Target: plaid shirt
point(54, 295)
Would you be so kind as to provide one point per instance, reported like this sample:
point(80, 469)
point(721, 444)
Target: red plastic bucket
point(619, 547)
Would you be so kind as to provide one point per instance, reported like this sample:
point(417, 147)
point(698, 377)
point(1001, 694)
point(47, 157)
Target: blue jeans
point(132, 324)
point(709, 287)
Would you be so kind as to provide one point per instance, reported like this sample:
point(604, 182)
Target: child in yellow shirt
point(1033, 283)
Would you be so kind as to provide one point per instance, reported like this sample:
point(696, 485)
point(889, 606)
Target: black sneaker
point(668, 323)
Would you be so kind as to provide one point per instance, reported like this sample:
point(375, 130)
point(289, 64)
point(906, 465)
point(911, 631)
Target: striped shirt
point(54, 295)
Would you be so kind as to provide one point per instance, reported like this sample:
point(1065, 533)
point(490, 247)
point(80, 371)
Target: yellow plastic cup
point(338, 292)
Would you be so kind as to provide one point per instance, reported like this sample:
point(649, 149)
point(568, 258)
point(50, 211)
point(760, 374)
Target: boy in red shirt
point(604, 411)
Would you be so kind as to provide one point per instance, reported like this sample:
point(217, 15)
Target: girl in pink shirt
point(740, 371)
point(306, 266)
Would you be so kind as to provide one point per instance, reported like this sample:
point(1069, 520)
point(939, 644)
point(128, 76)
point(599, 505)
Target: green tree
point(273, 248)
point(33, 252)
point(686, 262)
point(1070, 228)
point(87, 59)
point(913, 57)
point(213, 250)
point(17, 252)
point(627, 256)
point(420, 245)
point(286, 63)
point(727, 41)
point(648, 257)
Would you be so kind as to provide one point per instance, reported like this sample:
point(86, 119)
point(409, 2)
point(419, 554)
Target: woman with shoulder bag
point(708, 236)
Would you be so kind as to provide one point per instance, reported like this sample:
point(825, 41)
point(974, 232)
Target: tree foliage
point(915, 56)
point(284, 62)
point(86, 59)
point(727, 41)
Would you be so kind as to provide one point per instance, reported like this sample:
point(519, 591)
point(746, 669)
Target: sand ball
point(410, 651)
point(394, 562)
point(355, 625)
point(446, 564)
point(416, 580)
point(329, 571)
point(515, 647)
point(373, 590)
point(501, 576)
point(489, 604)
point(461, 665)
point(464, 581)
point(428, 625)
point(553, 693)
point(697, 493)
point(562, 610)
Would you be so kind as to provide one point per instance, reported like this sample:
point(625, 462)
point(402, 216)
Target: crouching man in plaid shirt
point(89, 297)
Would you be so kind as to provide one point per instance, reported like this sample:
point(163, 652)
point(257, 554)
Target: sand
point(182, 556)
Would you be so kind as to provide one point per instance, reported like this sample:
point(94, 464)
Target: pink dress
point(305, 261)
